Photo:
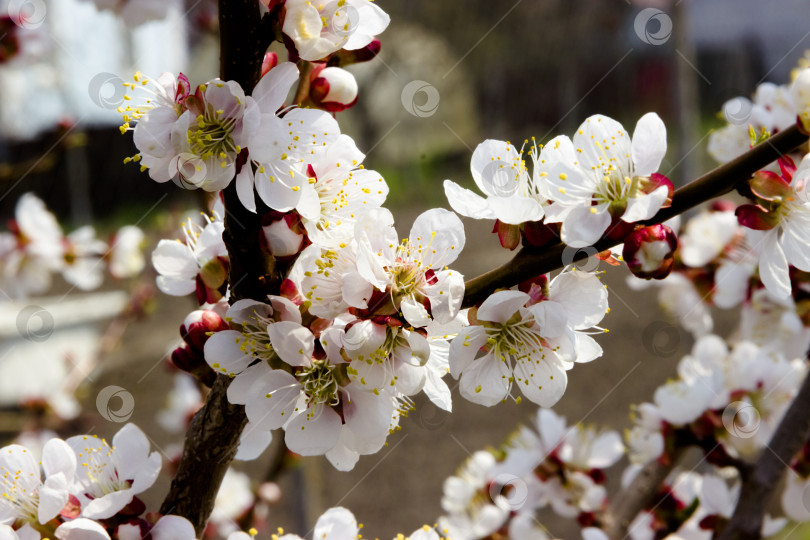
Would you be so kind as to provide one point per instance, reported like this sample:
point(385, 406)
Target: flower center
point(320, 383)
point(255, 341)
point(211, 136)
point(17, 493)
point(514, 340)
point(100, 470)
point(406, 277)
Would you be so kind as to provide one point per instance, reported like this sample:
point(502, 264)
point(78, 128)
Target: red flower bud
point(332, 88)
point(198, 324)
point(649, 251)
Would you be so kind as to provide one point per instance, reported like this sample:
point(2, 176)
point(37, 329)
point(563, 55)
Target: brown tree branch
point(760, 485)
point(530, 261)
point(213, 436)
point(638, 495)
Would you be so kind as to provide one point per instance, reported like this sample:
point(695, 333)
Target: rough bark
point(213, 436)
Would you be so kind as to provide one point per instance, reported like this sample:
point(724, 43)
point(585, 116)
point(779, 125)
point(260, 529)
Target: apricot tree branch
point(638, 495)
point(213, 436)
point(531, 261)
point(759, 486)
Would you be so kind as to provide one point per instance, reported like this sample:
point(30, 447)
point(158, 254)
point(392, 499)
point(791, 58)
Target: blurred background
point(450, 75)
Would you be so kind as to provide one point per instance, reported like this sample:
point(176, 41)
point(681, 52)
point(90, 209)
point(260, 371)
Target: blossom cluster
point(498, 493)
point(727, 400)
point(35, 247)
point(338, 523)
point(694, 505)
point(364, 319)
point(83, 488)
point(749, 255)
point(772, 108)
point(597, 184)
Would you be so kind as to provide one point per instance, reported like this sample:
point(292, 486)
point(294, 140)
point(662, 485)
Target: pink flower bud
point(333, 88)
point(270, 61)
point(198, 324)
point(191, 361)
point(649, 251)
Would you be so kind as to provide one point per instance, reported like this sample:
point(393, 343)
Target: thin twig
point(760, 485)
point(302, 91)
point(530, 262)
point(638, 495)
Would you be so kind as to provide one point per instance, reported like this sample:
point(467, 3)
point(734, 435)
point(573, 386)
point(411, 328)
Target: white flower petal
point(516, 210)
point(244, 187)
point(583, 295)
point(583, 227)
point(272, 412)
point(464, 348)
point(336, 523)
point(773, 266)
point(445, 295)
point(172, 258)
point(649, 145)
point(645, 206)
point(438, 235)
point(313, 435)
point(81, 529)
point(501, 305)
point(272, 89)
point(252, 443)
point(293, 343)
point(606, 450)
point(414, 312)
point(224, 353)
point(466, 202)
point(173, 528)
point(485, 381)
point(542, 380)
